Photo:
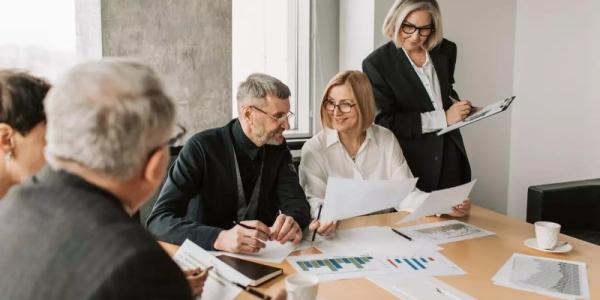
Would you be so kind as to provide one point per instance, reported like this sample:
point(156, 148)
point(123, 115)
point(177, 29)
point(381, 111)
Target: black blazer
point(200, 198)
point(401, 98)
point(63, 238)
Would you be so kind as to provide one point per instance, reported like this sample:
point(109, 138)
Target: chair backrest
point(575, 205)
point(146, 209)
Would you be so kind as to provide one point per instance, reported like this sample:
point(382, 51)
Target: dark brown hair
point(22, 100)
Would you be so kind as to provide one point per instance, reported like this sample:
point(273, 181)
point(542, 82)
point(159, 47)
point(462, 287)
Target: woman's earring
point(8, 156)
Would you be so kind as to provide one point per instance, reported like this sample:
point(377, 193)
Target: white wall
point(557, 114)
point(484, 34)
point(356, 32)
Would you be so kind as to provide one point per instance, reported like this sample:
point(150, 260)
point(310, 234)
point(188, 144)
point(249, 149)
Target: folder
point(488, 111)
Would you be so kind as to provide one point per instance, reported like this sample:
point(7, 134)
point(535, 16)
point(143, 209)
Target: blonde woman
point(350, 145)
point(412, 78)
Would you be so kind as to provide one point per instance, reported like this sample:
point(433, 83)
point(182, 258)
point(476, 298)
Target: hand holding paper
point(441, 201)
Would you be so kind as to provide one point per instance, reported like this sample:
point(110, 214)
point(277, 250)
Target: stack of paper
point(417, 288)
point(191, 256)
point(551, 277)
point(373, 240)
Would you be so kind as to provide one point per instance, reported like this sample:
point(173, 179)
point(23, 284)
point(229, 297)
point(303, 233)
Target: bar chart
point(414, 263)
point(335, 264)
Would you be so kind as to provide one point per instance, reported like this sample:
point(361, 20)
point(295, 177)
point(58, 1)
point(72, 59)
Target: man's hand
point(462, 209)
point(286, 229)
point(240, 239)
point(323, 228)
point(196, 279)
point(458, 111)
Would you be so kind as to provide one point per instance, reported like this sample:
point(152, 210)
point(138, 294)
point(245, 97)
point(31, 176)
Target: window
point(272, 37)
point(33, 39)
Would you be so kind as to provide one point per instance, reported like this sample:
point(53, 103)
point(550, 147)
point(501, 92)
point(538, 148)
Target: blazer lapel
point(440, 63)
point(415, 81)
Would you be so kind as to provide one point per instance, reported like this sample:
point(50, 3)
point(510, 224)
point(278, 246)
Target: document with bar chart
point(328, 267)
point(331, 267)
point(432, 264)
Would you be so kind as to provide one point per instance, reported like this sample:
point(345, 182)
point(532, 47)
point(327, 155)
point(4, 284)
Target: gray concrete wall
point(187, 42)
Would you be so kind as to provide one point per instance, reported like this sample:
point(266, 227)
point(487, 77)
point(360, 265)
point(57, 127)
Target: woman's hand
point(458, 111)
point(462, 209)
point(323, 228)
point(196, 279)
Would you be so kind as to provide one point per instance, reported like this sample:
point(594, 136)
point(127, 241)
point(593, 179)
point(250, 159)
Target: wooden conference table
point(480, 258)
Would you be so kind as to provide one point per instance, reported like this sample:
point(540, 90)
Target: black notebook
point(258, 273)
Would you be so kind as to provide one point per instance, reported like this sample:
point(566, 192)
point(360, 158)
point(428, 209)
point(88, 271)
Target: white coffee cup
point(302, 286)
point(546, 234)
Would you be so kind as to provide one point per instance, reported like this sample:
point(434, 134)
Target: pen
point(248, 289)
point(318, 217)
point(207, 270)
point(454, 100)
point(253, 291)
point(243, 225)
point(402, 234)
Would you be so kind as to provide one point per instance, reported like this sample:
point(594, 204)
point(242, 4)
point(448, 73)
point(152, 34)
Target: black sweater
point(200, 197)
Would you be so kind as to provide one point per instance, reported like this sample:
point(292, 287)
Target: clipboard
point(488, 111)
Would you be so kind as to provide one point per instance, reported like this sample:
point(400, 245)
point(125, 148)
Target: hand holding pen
point(459, 110)
point(244, 237)
point(322, 228)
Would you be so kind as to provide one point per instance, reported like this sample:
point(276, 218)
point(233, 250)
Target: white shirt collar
point(425, 65)
point(332, 137)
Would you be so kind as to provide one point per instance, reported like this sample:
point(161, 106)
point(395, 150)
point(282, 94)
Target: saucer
point(532, 243)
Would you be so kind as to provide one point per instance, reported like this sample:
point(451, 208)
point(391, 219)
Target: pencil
point(243, 225)
point(318, 217)
point(402, 234)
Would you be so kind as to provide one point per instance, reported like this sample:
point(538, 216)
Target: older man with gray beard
point(242, 174)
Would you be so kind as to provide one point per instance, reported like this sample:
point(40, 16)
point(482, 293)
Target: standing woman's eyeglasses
point(424, 31)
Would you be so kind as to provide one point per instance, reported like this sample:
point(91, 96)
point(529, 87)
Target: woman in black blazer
point(412, 78)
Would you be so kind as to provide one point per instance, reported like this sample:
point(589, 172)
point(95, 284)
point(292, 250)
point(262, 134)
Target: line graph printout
point(553, 277)
point(444, 232)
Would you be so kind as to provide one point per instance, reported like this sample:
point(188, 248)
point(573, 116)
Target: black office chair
point(575, 205)
point(146, 209)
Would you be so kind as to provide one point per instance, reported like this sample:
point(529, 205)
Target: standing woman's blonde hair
point(402, 8)
point(363, 92)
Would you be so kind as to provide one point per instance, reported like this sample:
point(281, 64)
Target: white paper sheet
point(334, 267)
point(444, 232)
point(441, 201)
point(557, 278)
point(274, 252)
point(373, 240)
point(191, 256)
point(418, 288)
point(347, 198)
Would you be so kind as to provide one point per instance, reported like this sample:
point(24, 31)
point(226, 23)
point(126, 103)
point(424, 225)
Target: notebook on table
point(257, 273)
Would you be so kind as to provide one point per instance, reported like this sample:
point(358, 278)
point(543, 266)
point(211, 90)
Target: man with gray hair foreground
point(67, 232)
point(238, 174)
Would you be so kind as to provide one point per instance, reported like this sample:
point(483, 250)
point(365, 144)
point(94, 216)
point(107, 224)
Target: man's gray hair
point(257, 86)
point(107, 116)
